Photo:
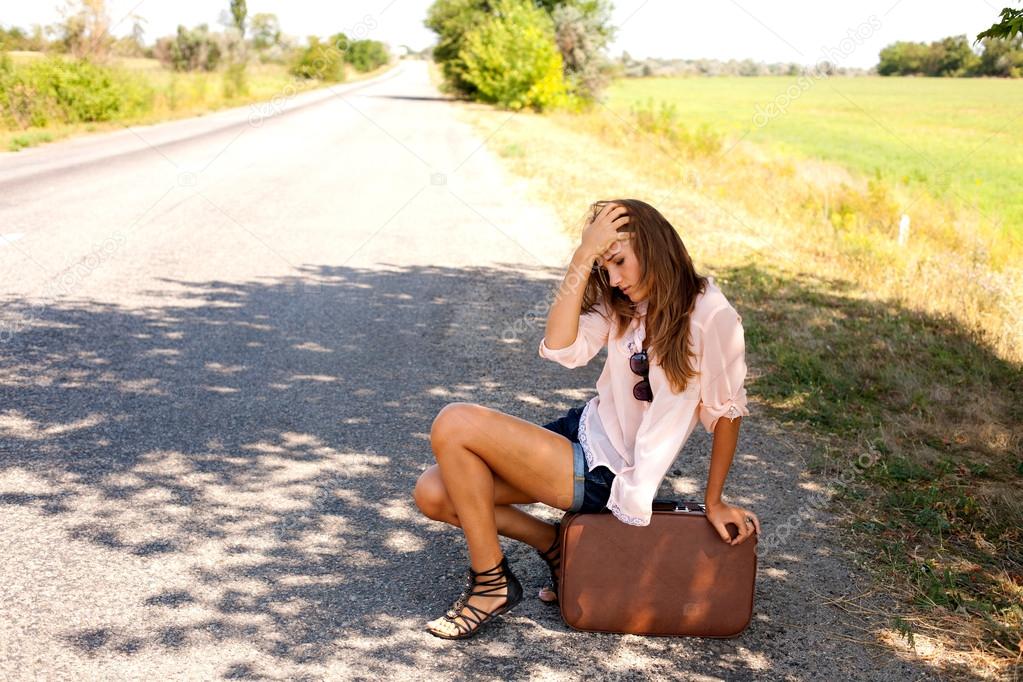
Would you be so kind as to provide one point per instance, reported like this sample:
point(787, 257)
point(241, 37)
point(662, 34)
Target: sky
point(802, 31)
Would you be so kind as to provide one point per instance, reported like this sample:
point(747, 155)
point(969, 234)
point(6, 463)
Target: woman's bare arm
point(722, 450)
point(598, 236)
point(563, 318)
point(719, 514)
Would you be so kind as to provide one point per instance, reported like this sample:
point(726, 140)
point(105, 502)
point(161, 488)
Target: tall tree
point(951, 56)
point(138, 29)
point(1001, 57)
point(266, 30)
point(85, 29)
point(238, 11)
point(582, 31)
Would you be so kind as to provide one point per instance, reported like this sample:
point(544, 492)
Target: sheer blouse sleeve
point(722, 368)
point(594, 327)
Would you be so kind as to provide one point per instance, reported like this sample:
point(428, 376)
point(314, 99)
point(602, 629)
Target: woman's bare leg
point(433, 500)
point(473, 444)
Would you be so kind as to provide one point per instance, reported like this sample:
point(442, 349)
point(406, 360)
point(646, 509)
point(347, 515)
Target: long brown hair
point(670, 280)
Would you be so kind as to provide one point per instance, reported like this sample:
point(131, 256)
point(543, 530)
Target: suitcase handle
point(679, 505)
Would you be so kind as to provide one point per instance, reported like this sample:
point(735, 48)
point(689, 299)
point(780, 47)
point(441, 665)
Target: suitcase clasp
point(679, 505)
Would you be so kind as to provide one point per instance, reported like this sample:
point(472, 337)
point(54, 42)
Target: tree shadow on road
point(255, 445)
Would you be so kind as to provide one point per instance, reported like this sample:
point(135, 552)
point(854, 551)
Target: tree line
point(954, 56)
point(77, 80)
point(84, 32)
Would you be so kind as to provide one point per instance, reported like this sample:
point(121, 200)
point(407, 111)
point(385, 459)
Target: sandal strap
point(556, 545)
point(552, 557)
point(467, 617)
point(493, 585)
point(476, 618)
point(470, 583)
point(462, 598)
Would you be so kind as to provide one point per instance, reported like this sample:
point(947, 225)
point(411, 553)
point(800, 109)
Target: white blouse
point(639, 440)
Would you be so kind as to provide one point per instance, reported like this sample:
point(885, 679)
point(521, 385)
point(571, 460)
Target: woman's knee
point(453, 420)
point(431, 497)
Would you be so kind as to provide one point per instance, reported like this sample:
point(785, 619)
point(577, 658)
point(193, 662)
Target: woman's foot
point(487, 595)
point(552, 557)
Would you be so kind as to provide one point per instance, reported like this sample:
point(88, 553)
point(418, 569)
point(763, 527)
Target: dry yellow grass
point(176, 95)
point(912, 352)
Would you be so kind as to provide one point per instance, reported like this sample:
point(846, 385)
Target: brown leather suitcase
point(674, 577)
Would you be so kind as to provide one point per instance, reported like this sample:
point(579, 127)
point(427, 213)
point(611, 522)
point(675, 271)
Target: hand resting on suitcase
point(722, 514)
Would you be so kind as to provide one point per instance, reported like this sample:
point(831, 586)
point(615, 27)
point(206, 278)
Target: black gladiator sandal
point(552, 557)
point(473, 618)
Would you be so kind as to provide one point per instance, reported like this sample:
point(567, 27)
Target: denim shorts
point(591, 489)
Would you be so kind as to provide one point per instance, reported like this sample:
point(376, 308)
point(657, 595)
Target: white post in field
point(903, 230)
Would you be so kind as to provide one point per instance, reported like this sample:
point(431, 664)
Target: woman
point(675, 357)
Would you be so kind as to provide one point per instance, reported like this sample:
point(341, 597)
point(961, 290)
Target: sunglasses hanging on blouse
point(639, 363)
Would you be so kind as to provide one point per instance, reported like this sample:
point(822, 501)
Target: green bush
point(19, 106)
point(83, 91)
point(20, 142)
point(582, 31)
point(366, 55)
point(511, 57)
point(663, 122)
point(235, 82)
point(451, 20)
point(57, 90)
point(324, 61)
point(192, 49)
point(14, 38)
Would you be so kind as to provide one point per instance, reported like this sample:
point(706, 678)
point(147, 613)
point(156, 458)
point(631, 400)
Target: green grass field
point(961, 140)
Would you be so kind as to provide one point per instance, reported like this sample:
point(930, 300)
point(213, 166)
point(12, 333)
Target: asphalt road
point(222, 344)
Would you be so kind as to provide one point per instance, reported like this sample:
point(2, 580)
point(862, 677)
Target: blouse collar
point(633, 340)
